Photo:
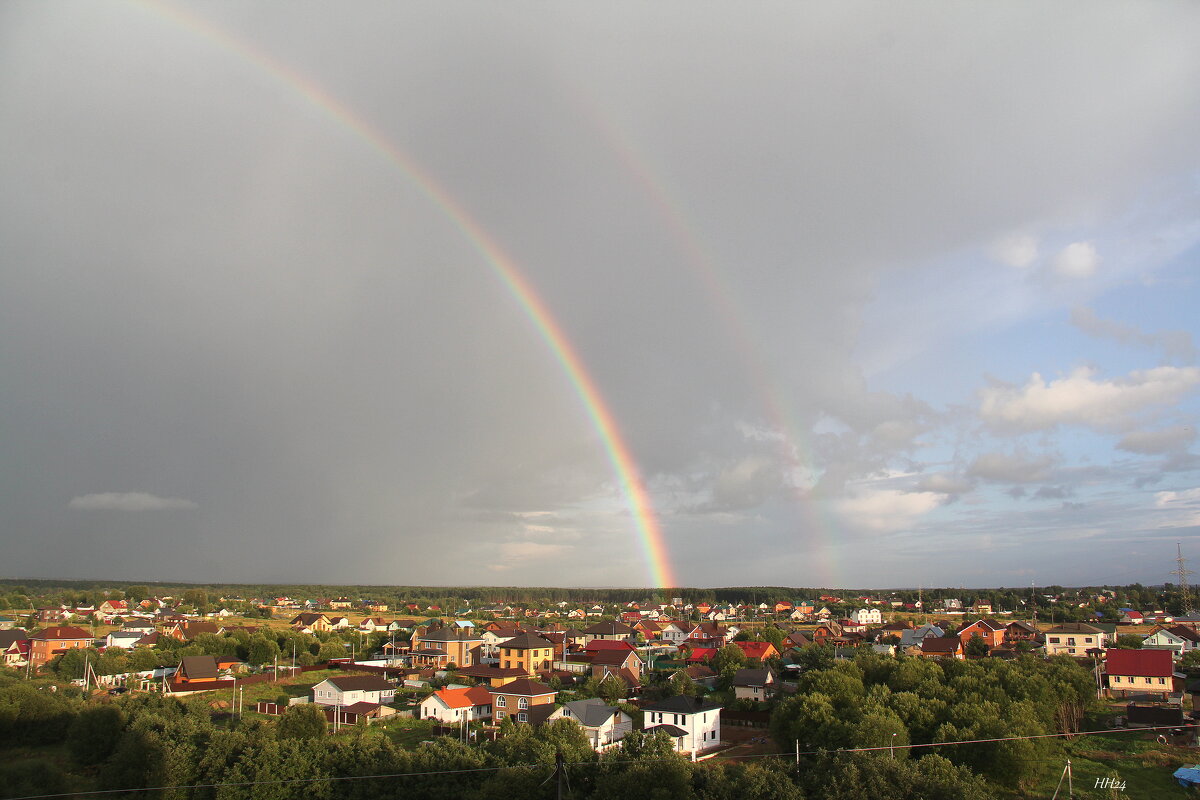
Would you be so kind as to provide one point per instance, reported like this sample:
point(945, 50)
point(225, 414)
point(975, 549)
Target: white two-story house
point(693, 723)
point(1074, 639)
point(867, 616)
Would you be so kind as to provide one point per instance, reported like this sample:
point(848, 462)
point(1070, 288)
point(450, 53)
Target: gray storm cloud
point(214, 284)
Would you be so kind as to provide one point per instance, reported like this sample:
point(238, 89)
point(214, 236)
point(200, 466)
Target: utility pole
point(1181, 573)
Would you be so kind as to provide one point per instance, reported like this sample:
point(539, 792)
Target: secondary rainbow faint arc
point(502, 265)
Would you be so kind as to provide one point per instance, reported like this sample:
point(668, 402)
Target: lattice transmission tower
point(1181, 572)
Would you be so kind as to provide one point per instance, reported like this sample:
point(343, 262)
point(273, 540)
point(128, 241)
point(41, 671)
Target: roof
point(592, 712)
point(62, 633)
point(196, 667)
point(1075, 627)
point(462, 698)
point(523, 686)
point(609, 644)
point(526, 641)
point(673, 731)
point(752, 677)
point(699, 672)
point(485, 672)
point(610, 658)
point(759, 650)
point(682, 704)
point(360, 683)
point(702, 653)
point(608, 629)
point(12, 635)
point(943, 644)
point(451, 634)
point(1142, 663)
point(536, 715)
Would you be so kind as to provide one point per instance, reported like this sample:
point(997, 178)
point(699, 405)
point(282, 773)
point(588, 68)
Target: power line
point(603, 762)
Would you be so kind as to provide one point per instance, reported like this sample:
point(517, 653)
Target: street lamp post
point(892, 747)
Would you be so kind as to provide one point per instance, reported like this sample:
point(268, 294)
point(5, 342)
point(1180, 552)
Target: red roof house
point(758, 650)
point(1139, 672)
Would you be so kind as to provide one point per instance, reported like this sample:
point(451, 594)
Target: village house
point(694, 723)
point(1074, 639)
point(866, 616)
point(348, 690)
point(757, 651)
point(445, 646)
point(604, 725)
point(944, 647)
point(611, 631)
point(529, 652)
point(452, 706)
point(914, 637)
point(518, 698)
point(989, 630)
point(754, 684)
point(197, 669)
point(1018, 631)
point(14, 647)
point(1133, 672)
point(1179, 639)
point(50, 642)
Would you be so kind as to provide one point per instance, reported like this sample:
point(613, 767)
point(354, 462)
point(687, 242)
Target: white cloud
point(1080, 399)
point(129, 501)
point(1167, 440)
point(944, 483)
point(1170, 499)
point(1015, 468)
point(1076, 260)
point(887, 509)
point(1018, 250)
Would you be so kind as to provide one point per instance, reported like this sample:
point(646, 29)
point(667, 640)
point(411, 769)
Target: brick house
point(50, 642)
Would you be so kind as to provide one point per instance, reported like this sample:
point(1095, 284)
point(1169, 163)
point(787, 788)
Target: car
point(118, 690)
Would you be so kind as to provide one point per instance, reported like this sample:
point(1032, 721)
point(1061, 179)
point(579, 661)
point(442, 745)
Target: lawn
point(1144, 765)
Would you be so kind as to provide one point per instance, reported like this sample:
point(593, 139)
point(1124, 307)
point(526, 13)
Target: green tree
point(977, 647)
point(304, 721)
point(136, 594)
point(1130, 641)
point(94, 733)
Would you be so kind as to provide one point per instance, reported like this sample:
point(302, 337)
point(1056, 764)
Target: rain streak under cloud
point(423, 294)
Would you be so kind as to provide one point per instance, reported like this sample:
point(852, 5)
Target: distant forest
point(454, 598)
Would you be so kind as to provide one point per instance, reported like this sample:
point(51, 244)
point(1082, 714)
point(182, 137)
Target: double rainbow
point(504, 268)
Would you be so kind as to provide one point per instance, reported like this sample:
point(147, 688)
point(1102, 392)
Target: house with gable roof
point(604, 725)
point(1179, 639)
point(453, 706)
point(50, 642)
point(349, 690)
point(694, 723)
point(1074, 639)
point(754, 684)
point(1139, 672)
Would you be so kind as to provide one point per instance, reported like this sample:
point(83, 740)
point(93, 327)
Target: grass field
point(1136, 759)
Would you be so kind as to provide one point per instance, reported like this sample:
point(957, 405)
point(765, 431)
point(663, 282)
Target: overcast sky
point(877, 294)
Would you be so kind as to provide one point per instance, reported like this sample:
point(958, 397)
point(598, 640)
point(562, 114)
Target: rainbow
point(519, 287)
point(793, 449)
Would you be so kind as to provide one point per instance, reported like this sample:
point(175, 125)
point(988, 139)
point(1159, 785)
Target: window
point(501, 701)
point(522, 702)
point(499, 715)
point(1116, 678)
point(1053, 640)
point(1162, 681)
point(522, 718)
